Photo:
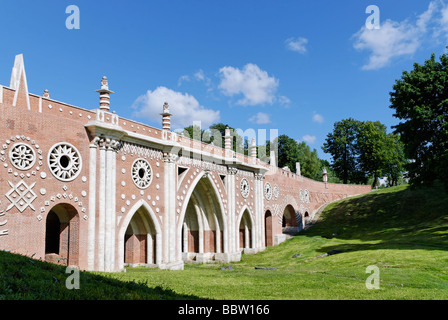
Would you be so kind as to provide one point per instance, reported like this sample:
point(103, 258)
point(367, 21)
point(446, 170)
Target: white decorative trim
point(267, 191)
point(306, 196)
point(1, 94)
point(21, 196)
point(66, 152)
point(275, 192)
point(16, 76)
point(245, 189)
point(140, 151)
point(141, 173)
point(22, 156)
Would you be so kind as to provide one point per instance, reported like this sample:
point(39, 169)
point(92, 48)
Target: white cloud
point(309, 139)
point(427, 16)
point(284, 101)
point(256, 86)
point(318, 118)
point(297, 45)
point(182, 79)
point(200, 75)
point(184, 107)
point(395, 39)
point(260, 118)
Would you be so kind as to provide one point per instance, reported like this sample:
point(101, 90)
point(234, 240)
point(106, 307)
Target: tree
point(290, 152)
point(420, 100)
point(364, 150)
point(195, 132)
point(395, 166)
point(342, 145)
point(310, 164)
point(373, 149)
point(219, 130)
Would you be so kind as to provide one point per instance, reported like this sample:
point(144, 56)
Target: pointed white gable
point(17, 74)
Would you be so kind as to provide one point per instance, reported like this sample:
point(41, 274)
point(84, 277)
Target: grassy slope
point(403, 232)
point(22, 278)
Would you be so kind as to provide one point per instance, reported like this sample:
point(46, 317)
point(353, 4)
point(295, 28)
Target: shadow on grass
point(24, 278)
point(395, 218)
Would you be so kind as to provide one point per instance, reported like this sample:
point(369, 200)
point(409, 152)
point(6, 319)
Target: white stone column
point(246, 237)
point(101, 206)
point(185, 237)
point(259, 212)
point(110, 218)
point(149, 250)
point(231, 210)
point(92, 205)
point(171, 254)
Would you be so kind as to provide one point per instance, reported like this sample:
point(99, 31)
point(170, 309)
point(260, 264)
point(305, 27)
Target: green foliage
point(364, 151)
point(290, 152)
point(420, 100)
point(341, 144)
point(195, 132)
point(216, 134)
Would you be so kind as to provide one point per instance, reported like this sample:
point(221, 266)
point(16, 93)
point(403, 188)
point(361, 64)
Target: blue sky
point(293, 66)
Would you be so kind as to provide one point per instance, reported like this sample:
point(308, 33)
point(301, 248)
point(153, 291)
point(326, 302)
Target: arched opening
point(245, 234)
point(190, 230)
point(140, 241)
point(52, 234)
point(202, 229)
point(268, 229)
point(62, 235)
point(289, 221)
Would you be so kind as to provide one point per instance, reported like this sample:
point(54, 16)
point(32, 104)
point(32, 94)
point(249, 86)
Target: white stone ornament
point(141, 173)
point(275, 192)
point(22, 156)
point(21, 196)
point(64, 161)
point(306, 196)
point(268, 191)
point(245, 188)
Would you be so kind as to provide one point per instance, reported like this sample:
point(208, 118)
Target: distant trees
point(341, 145)
point(290, 152)
point(363, 150)
point(215, 134)
point(287, 150)
point(420, 100)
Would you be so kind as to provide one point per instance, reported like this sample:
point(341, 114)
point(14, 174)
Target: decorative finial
point(253, 149)
point(166, 117)
point(46, 94)
point(104, 94)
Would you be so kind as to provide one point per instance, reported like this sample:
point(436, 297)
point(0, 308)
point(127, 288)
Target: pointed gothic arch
point(245, 225)
point(268, 232)
point(201, 224)
point(140, 237)
point(291, 220)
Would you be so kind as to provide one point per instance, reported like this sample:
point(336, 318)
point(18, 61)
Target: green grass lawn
point(403, 232)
